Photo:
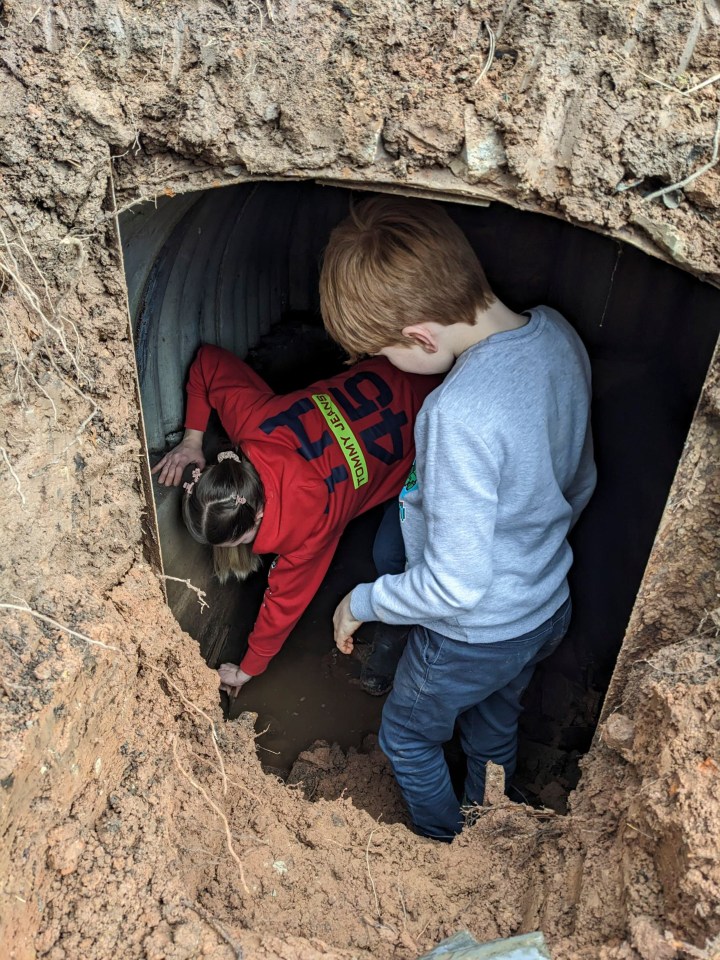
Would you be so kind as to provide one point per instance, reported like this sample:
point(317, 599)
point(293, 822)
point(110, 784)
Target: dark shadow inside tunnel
point(238, 267)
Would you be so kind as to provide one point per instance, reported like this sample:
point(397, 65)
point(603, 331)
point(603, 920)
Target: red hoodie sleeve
point(292, 583)
point(221, 381)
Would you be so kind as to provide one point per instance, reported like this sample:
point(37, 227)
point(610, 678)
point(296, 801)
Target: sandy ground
point(125, 832)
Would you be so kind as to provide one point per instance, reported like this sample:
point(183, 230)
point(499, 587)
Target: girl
point(304, 465)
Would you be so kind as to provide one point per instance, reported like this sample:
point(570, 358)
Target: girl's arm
point(292, 583)
point(218, 380)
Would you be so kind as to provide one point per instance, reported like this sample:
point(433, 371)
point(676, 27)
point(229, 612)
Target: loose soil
point(121, 836)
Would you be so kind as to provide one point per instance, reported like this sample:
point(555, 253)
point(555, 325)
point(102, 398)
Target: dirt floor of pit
point(113, 841)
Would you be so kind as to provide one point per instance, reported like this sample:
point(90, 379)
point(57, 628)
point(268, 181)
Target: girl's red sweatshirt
point(325, 454)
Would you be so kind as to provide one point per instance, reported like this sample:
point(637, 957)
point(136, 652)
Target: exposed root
point(218, 811)
point(711, 951)
point(45, 311)
point(671, 86)
point(259, 10)
point(708, 630)
point(699, 172)
point(21, 367)
point(216, 926)
point(490, 55)
point(202, 713)
point(201, 594)
point(3, 451)
point(372, 882)
point(81, 636)
point(55, 336)
point(98, 643)
point(59, 626)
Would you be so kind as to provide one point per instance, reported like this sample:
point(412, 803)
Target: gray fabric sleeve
point(583, 483)
point(458, 480)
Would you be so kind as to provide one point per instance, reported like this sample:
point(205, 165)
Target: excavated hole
point(238, 266)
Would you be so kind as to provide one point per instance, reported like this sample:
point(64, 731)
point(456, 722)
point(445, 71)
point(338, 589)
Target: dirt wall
point(118, 837)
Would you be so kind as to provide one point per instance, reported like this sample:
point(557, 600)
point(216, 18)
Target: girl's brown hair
point(220, 507)
point(392, 263)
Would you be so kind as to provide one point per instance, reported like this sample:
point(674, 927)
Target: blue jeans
point(389, 546)
point(440, 681)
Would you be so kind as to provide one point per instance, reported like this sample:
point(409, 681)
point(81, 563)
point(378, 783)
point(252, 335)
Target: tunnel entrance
point(238, 267)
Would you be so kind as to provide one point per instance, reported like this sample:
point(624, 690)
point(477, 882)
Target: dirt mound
point(362, 776)
point(118, 835)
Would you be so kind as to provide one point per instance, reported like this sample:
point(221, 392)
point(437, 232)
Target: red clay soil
point(123, 835)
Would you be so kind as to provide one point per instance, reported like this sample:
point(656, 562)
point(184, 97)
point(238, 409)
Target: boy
point(504, 466)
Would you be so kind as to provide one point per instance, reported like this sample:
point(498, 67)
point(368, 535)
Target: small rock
point(66, 848)
point(43, 671)
point(664, 236)
point(649, 941)
point(483, 154)
point(705, 191)
point(618, 732)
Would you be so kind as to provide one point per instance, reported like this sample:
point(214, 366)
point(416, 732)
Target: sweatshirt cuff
point(361, 606)
point(254, 664)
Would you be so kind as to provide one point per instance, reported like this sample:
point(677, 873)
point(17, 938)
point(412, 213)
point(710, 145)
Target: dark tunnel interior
point(238, 266)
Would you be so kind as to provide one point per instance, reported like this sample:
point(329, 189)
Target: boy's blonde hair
point(392, 263)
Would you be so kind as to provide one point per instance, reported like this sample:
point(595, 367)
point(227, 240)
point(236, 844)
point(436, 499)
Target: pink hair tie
point(239, 500)
point(188, 487)
point(228, 455)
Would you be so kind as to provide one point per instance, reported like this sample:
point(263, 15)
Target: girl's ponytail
point(220, 506)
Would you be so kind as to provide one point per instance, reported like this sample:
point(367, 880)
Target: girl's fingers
point(172, 473)
point(173, 464)
point(163, 478)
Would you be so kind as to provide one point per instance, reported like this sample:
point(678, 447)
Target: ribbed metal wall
point(218, 267)
point(222, 266)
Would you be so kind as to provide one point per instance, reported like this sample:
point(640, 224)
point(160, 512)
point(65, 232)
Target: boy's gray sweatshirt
point(504, 467)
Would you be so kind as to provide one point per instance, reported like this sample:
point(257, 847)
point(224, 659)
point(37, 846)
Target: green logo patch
point(345, 437)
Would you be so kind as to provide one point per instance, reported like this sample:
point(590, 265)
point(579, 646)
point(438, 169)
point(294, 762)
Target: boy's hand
point(345, 625)
point(172, 465)
point(232, 678)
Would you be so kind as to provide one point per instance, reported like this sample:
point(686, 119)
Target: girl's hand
point(232, 678)
point(345, 625)
point(173, 464)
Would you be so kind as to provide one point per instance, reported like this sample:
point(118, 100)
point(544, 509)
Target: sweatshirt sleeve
point(292, 583)
point(458, 483)
point(218, 380)
point(583, 483)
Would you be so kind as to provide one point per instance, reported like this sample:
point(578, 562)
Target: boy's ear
point(423, 335)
